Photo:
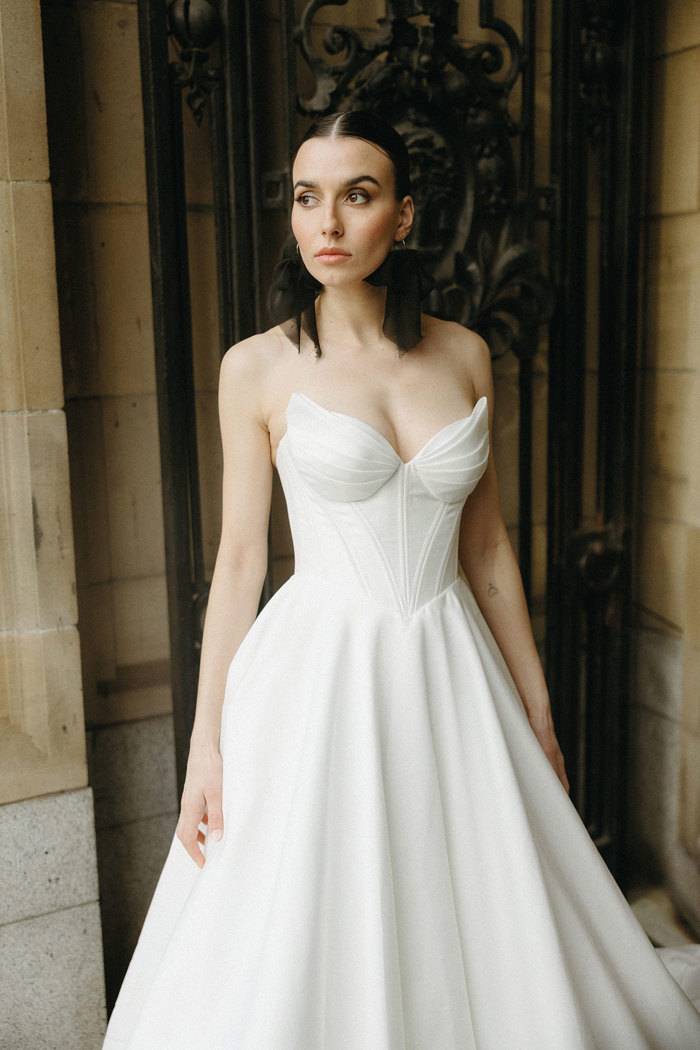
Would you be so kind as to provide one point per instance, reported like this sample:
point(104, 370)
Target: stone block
point(132, 771)
point(140, 620)
point(113, 104)
point(211, 467)
point(674, 176)
point(658, 668)
point(123, 309)
point(42, 733)
point(53, 983)
point(672, 280)
point(691, 687)
point(75, 268)
point(692, 585)
point(669, 413)
point(662, 567)
point(36, 542)
point(203, 296)
point(120, 701)
point(130, 859)
point(689, 801)
point(134, 487)
point(30, 363)
point(676, 26)
point(97, 639)
point(90, 498)
point(23, 146)
point(693, 502)
point(65, 101)
point(48, 850)
point(654, 744)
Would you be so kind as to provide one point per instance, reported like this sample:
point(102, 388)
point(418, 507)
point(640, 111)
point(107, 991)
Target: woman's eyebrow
point(350, 182)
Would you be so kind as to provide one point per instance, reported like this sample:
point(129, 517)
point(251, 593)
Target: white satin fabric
point(401, 869)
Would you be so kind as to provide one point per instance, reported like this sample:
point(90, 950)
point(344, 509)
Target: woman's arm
point(239, 574)
point(487, 557)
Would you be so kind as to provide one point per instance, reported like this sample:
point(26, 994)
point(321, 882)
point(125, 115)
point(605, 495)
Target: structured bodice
point(362, 517)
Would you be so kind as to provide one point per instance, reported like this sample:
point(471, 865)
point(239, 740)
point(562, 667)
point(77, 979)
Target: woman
point(376, 848)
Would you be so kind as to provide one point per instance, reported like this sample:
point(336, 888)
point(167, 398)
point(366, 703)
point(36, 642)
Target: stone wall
point(50, 941)
point(665, 714)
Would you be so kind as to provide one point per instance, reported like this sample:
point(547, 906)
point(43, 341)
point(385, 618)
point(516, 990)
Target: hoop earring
point(298, 252)
point(403, 247)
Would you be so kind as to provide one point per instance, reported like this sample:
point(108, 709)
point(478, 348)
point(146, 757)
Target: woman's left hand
point(543, 728)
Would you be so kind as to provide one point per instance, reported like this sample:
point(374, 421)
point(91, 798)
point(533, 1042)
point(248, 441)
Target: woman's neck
point(352, 316)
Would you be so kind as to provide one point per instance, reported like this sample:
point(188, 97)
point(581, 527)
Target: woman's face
point(345, 215)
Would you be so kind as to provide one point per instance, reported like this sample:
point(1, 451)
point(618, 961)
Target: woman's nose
point(331, 222)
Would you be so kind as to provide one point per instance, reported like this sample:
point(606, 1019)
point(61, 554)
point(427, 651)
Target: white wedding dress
point(401, 868)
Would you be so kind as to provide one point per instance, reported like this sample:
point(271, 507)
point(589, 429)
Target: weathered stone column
point(50, 940)
point(665, 704)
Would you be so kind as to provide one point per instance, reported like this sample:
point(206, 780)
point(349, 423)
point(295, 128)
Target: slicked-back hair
point(360, 124)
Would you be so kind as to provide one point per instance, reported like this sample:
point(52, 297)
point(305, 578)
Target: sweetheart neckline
point(378, 433)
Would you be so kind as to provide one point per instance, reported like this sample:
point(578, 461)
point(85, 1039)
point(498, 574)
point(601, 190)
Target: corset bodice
point(362, 517)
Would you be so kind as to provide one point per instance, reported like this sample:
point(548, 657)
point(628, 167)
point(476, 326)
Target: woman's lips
point(332, 255)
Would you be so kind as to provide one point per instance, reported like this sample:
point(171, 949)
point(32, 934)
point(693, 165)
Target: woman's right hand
point(201, 800)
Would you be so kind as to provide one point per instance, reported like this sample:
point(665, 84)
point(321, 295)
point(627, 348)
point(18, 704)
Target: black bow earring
point(407, 283)
point(293, 293)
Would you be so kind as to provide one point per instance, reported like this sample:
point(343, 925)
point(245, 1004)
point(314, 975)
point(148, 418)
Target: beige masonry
point(665, 710)
point(48, 907)
point(38, 609)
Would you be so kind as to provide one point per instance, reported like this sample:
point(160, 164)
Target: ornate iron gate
point(473, 171)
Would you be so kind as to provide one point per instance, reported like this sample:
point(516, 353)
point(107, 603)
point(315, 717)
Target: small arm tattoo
point(493, 590)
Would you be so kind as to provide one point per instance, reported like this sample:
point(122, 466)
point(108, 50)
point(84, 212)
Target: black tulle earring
point(292, 296)
point(407, 284)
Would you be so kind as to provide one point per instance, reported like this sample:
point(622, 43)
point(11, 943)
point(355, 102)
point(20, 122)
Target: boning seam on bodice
point(447, 554)
point(403, 511)
point(388, 575)
point(422, 559)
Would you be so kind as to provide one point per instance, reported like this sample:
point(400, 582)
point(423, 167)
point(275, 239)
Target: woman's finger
point(188, 832)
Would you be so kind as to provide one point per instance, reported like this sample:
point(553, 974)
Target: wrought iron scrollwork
point(194, 25)
point(450, 102)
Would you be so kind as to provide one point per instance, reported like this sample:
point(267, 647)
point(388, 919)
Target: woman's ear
point(406, 216)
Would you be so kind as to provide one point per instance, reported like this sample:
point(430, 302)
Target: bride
point(376, 848)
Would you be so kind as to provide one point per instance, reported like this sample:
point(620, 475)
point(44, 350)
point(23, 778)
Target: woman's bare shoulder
point(468, 347)
point(254, 360)
point(256, 352)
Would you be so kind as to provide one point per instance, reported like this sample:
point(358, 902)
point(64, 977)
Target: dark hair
point(294, 290)
point(360, 124)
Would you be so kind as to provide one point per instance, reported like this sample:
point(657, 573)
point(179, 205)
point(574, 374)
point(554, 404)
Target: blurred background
point(144, 193)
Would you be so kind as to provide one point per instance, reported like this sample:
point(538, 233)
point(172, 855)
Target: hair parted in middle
point(293, 291)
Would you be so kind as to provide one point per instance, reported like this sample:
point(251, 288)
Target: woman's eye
point(304, 199)
point(358, 196)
